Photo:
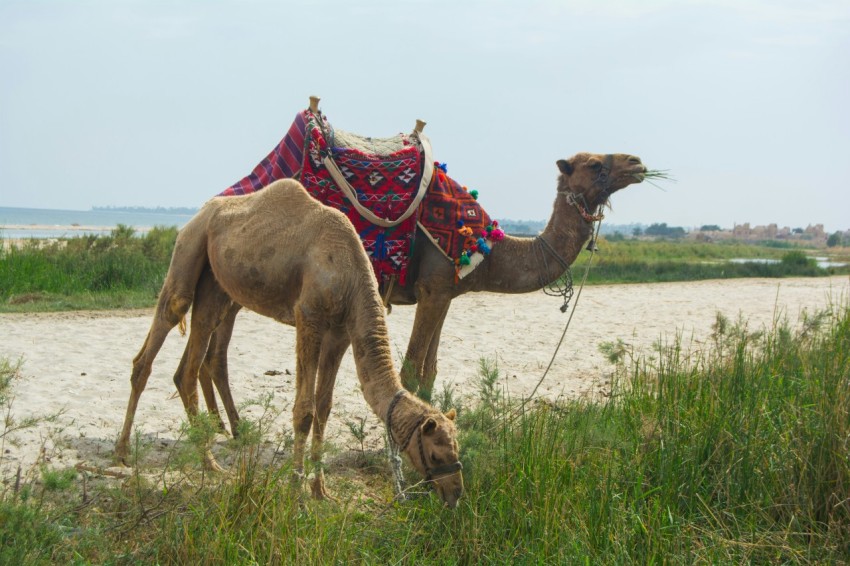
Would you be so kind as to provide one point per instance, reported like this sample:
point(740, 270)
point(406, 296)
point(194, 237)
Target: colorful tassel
point(474, 194)
point(497, 235)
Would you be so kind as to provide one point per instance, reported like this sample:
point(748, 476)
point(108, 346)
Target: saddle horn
point(314, 104)
point(420, 125)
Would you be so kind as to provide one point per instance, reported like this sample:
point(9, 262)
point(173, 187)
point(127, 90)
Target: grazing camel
point(515, 265)
point(286, 256)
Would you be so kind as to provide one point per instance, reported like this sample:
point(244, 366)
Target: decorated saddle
point(386, 187)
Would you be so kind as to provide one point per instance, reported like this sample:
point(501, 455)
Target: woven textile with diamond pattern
point(379, 184)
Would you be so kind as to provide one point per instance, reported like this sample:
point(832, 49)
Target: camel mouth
point(449, 495)
point(637, 172)
point(634, 174)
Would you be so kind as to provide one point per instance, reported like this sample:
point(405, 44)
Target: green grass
point(733, 453)
point(119, 270)
point(638, 261)
point(125, 271)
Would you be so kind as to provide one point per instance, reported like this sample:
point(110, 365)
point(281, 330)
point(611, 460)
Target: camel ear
point(429, 426)
point(451, 414)
point(565, 167)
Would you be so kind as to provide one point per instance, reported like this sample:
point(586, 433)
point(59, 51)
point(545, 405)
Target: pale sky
point(149, 103)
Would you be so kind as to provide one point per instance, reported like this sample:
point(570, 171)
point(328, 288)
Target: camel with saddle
point(457, 254)
point(434, 273)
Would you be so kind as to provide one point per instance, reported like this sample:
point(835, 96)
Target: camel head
point(435, 455)
point(595, 177)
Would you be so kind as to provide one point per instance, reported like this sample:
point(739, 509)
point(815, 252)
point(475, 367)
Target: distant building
point(813, 234)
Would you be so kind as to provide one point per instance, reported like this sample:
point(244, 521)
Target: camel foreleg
point(333, 348)
point(429, 367)
point(431, 311)
point(308, 342)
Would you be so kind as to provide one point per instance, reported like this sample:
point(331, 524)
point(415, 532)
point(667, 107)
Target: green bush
point(88, 264)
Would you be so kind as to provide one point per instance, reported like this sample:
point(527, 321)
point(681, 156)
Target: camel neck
point(370, 345)
point(567, 230)
point(522, 265)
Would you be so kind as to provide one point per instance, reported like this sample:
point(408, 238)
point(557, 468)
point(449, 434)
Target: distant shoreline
point(68, 227)
point(18, 234)
point(148, 210)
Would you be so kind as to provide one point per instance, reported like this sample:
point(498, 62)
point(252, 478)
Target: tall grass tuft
point(114, 265)
point(733, 453)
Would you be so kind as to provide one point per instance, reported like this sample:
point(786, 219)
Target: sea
point(23, 223)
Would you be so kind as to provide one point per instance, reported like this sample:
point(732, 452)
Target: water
point(823, 262)
point(16, 223)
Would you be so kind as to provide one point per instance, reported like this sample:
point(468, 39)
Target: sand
point(79, 362)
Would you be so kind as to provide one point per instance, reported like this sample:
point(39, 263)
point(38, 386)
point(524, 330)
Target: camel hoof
point(321, 493)
point(120, 456)
point(211, 465)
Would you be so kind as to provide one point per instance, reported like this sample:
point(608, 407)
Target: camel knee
point(409, 379)
point(175, 308)
point(305, 423)
point(140, 373)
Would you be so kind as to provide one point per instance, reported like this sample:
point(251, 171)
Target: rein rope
point(592, 249)
point(393, 449)
point(604, 179)
point(556, 288)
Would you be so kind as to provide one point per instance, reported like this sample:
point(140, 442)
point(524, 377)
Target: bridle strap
point(396, 398)
point(603, 179)
point(430, 473)
point(444, 470)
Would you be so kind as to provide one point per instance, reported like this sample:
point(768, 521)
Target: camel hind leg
point(214, 370)
point(169, 312)
point(175, 298)
point(210, 307)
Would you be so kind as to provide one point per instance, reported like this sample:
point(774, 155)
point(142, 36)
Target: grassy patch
point(125, 271)
point(119, 270)
point(735, 453)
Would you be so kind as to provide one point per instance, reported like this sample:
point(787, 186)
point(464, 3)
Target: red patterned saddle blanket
point(386, 187)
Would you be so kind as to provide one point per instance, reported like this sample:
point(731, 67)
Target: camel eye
point(595, 165)
point(434, 459)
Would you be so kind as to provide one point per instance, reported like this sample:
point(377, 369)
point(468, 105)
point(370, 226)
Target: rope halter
point(430, 472)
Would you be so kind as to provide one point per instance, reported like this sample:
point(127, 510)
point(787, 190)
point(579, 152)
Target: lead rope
point(592, 249)
point(393, 452)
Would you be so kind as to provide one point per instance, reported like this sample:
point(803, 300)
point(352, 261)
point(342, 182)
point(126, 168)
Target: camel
point(286, 256)
point(516, 265)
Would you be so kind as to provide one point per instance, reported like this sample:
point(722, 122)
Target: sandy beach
point(79, 362)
